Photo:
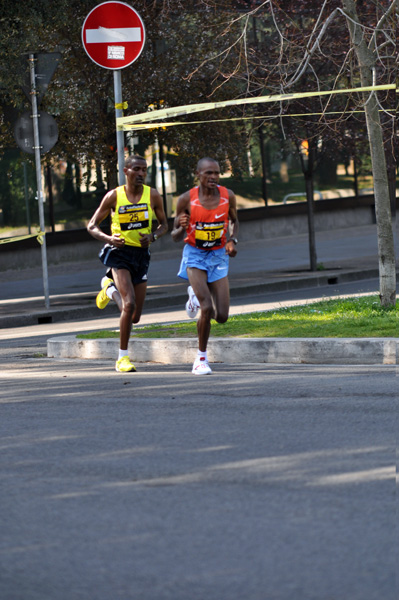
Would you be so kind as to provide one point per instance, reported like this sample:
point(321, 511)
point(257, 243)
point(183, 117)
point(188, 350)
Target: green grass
point(344, 317)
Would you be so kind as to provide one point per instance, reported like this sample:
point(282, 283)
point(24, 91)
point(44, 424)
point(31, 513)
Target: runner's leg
point(124, 284)
point(198, 281)
point(220, 292)
point(140, 290)
point(116, 297)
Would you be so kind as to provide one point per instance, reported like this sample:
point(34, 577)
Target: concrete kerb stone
point(348, 351)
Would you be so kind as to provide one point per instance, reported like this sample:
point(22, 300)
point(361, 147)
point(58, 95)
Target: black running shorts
point(134, 259)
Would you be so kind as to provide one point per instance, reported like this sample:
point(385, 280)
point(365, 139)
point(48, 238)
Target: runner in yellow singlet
point(132, 207)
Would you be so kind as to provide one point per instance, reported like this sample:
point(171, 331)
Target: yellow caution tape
point(17, 238)
point(121, 106)
point(163, 125)
point(40, 237)
point(176, 111)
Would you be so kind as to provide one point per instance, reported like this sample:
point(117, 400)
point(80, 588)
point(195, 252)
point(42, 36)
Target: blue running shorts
point(214, 262)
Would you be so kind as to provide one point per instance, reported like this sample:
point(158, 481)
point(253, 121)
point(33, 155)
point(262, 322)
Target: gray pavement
point(266, 482)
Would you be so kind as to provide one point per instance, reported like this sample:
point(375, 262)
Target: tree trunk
point(386, 252)
point(391, 170)
point(392, 189)
point(311, 228)
point(162, 161)
point(355, 177)
point(78, 185)
point(99, 179)
point(264, 166)
point(307, 169)
point(50, 196)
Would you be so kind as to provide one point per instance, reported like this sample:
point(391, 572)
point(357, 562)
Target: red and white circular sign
point(113, 35)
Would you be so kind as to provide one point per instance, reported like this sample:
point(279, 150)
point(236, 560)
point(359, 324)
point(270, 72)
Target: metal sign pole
point(120, 136)
point(39, 176)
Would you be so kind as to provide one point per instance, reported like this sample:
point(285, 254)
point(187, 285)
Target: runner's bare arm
point(157, 207)
point(182, 218)
point(108, 204)
point(231, 249)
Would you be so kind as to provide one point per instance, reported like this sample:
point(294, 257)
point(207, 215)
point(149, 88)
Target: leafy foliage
point(81, 93)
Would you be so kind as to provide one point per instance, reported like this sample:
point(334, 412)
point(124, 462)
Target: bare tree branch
point(378, 27)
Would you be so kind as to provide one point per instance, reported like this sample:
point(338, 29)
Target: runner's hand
point(184, 220)
point(231, 248)
point(145, 240)
point(117, 240)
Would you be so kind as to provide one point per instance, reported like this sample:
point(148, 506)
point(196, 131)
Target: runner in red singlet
point(204, 216)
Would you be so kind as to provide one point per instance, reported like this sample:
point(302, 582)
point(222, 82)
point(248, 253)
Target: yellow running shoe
point(102, 298)
point(123, 365)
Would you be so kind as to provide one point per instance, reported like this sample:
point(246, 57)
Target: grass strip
point(341, 317)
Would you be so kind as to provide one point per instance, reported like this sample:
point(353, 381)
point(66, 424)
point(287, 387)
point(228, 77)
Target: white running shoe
point(192, 304)
point(201, 367)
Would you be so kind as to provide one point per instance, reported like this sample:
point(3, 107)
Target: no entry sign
point(113, 35)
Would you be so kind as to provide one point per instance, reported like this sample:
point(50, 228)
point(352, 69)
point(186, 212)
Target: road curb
point(338, 351)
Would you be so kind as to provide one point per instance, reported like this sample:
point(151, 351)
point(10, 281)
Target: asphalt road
point(264, 483)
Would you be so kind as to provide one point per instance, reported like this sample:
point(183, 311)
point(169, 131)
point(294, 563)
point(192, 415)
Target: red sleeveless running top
point(207, 228)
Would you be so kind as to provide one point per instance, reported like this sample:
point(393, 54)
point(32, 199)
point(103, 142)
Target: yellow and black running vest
point(130, 219)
